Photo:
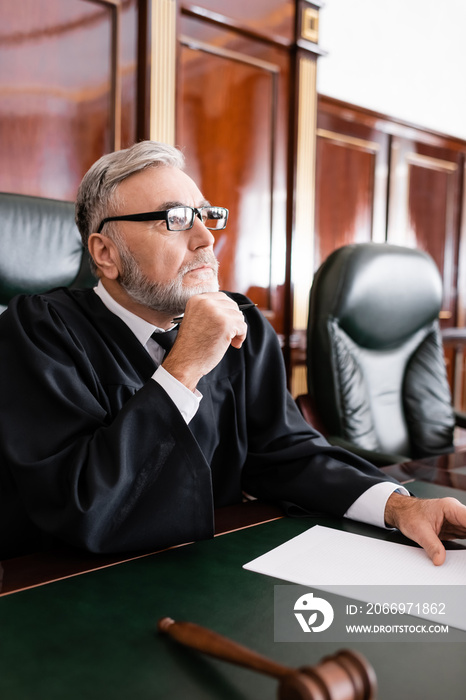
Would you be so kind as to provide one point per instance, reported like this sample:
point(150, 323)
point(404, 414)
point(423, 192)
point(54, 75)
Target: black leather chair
point(376, 369)
point(40, 247)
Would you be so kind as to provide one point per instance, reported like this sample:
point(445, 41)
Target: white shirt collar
point(142, 329)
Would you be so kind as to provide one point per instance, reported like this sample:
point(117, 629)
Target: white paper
point(323, 556)
point(331, 559)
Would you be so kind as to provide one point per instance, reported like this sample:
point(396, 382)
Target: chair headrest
point(361, 284)
point(41, 245)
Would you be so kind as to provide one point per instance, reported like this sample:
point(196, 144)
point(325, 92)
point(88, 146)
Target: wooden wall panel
point(417, 198)
point(424, 208)
point(232, 126)
point(274, 19)
point(62, 66)
point(351, 180)
point(345, 192)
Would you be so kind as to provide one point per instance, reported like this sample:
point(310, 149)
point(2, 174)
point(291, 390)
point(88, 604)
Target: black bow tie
point(166, 340)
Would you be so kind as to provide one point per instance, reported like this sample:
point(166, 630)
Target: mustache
point(202, 258)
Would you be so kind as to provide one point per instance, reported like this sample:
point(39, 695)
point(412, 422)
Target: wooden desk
point(447, 470)
point(93, 636)
point(33, 570)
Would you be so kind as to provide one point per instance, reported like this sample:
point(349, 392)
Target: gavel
point(346, 675)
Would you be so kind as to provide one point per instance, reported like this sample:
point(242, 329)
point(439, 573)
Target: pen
point(241, 307)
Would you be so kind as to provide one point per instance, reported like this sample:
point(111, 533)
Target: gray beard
point(169, 298)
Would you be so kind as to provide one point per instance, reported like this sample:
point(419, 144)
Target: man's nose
point(201, 236)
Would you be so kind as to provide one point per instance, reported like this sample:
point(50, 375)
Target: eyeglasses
point(179, 218)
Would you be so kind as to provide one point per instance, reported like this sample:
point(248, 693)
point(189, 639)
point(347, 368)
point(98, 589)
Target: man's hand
point(427, 521)
point(212, 322)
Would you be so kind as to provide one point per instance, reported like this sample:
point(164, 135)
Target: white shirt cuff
point(186, 401)
point(370, 506)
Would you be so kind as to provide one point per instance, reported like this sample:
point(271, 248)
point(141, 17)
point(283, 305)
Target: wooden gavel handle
point(346, 675)
point(220, 647)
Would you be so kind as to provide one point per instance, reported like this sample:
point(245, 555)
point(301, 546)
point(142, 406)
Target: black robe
point(94, 452)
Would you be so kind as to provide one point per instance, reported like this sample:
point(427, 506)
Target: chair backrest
point(40, 247)
point(376, 368)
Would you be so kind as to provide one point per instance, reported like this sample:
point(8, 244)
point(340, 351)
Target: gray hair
point(96, 196)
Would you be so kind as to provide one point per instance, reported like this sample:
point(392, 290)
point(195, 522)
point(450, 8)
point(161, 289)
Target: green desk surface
point(93, 636)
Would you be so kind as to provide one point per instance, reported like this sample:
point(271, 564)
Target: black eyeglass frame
point(163, 216)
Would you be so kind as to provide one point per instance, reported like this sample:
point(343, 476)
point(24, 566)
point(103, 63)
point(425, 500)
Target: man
point(111, 445)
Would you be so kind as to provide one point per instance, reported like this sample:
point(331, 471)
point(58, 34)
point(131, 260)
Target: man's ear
point(105, 255)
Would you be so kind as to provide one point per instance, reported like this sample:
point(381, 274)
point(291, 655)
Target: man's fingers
point(439, 556)
point(423, 521)
point(429, 541)
point(238, 335)
point(211, 323)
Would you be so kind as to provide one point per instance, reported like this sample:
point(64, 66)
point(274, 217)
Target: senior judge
point(121, 430)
